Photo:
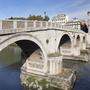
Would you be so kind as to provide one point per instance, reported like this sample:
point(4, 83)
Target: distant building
point(73, 24)
point(60, 18)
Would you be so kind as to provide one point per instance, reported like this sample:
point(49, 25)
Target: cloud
point(79, 14)
point(78, 3)
point(81, 11)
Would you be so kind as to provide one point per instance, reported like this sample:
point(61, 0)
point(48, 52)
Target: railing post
point(51, 24)
point(25, 24)
point(40, 24)
point(15, 26)
point(0, 25)
point(34, 24)
point(46, 24)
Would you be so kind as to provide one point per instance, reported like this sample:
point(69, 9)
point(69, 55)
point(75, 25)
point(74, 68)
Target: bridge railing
point(12, 26)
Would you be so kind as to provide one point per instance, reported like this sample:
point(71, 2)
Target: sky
point(23, 8)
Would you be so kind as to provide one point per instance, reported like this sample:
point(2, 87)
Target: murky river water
point(83, 73)
point(9, 76)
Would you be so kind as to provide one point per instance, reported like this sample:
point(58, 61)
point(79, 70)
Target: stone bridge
point(49, 38)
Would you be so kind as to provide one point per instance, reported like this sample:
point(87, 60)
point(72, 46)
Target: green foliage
point(56, 54)
point(38, 17)
point(16, 18)
point(43, 82)
point(31, 17)
point(31, 79)
point(46, 18)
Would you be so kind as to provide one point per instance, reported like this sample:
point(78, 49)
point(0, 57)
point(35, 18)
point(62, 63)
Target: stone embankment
point(63, 81)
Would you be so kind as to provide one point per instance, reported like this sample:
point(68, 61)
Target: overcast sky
point(73, 8)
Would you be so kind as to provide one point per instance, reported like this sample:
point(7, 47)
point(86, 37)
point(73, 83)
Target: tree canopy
point(31, 17)
point(16, 18)
point(34, 17)
point(84, 27)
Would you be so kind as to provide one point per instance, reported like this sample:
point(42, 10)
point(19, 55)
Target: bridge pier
point(55, 74)
point(55, 65)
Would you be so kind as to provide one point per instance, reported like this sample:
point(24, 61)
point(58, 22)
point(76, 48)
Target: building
point(73, 25)
point(61, 18)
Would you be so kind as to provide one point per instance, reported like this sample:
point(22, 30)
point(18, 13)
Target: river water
point(10, 75)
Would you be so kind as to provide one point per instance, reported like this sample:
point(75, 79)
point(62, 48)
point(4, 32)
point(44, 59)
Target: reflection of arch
point(21, 37)
point(78, 41)
point(65, 41)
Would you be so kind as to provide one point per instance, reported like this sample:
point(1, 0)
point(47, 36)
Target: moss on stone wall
point(56, 54)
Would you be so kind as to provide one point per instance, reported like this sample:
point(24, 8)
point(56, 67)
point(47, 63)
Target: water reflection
point(9, 72)
point(10, 55)
point(82, 71)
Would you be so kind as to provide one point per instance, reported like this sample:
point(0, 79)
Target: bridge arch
point(65, 42)
point(19, 37)
point(28, 39)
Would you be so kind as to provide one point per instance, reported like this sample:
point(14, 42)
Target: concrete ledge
point(78, 58)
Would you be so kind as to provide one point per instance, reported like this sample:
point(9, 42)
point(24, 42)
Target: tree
point(39, 18)
point(32, 17)
point(84, 27)
point(16, 18)
point(46, 18)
